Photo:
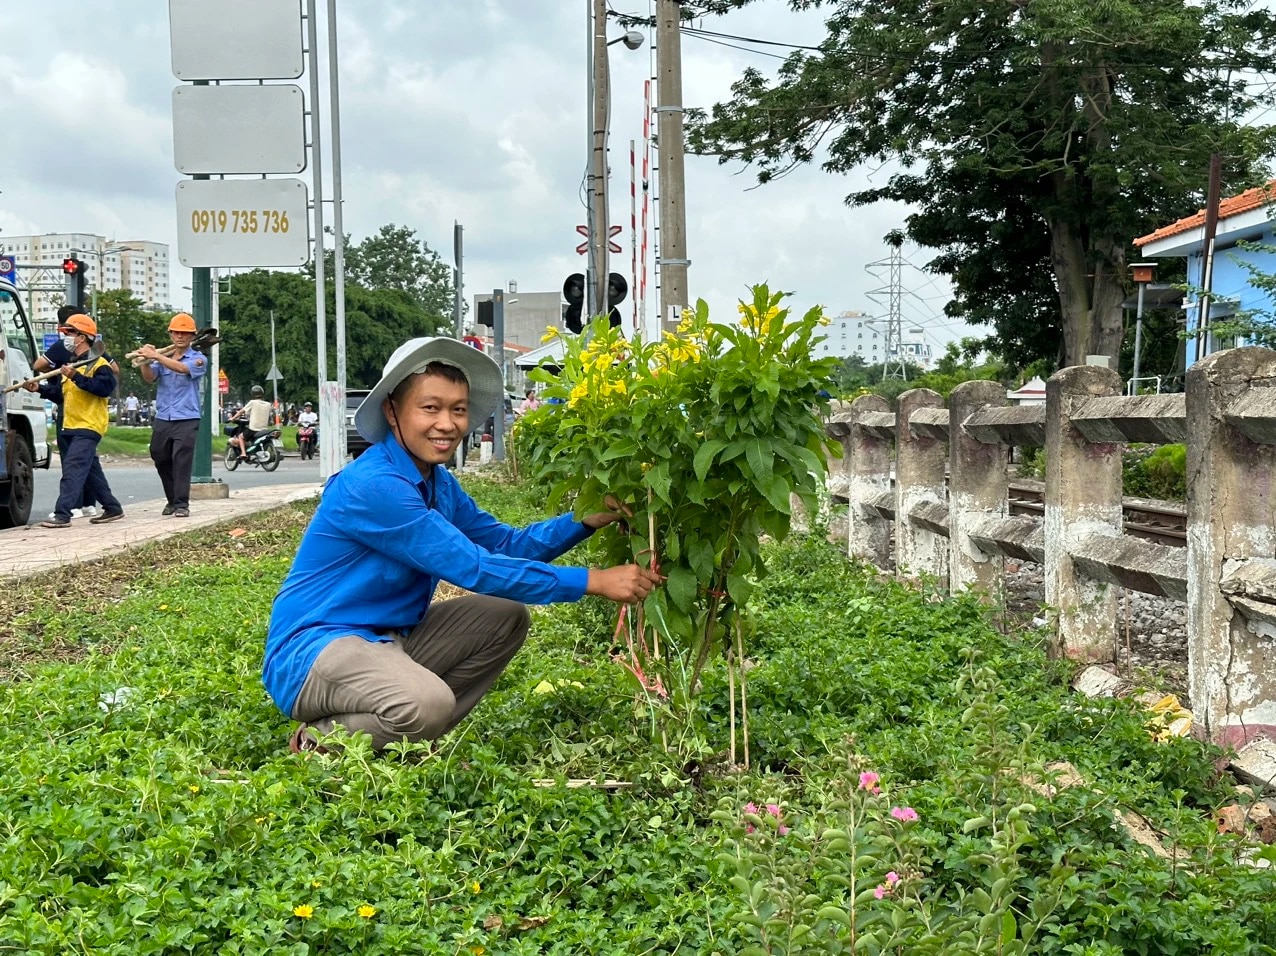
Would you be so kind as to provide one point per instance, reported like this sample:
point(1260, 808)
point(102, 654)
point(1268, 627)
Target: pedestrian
point(529, 403)
point(253, 419)
point(177, 414)
point(131, 405)
point(84, 394)
point(55, 356)
point(354, 639)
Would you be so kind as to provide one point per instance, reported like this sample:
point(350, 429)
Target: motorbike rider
point(308, 419)
point(253, 419)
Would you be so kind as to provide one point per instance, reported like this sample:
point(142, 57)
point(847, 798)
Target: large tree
point(396, 259)
point(1034, 138)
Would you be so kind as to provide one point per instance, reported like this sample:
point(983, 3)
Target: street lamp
point(101, 255)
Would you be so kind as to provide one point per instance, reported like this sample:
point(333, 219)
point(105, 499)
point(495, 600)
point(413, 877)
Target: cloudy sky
point(452, 110)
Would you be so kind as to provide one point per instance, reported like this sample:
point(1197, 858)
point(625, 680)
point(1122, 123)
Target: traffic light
point(74, 270)
point(574, 293)
point(486, 313)
point(617, 289)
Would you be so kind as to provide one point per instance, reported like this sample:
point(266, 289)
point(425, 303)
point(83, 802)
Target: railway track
point(1159, 521)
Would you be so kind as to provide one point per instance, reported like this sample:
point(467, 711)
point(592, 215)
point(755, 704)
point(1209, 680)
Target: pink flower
point(868, 781)
point(782, 830)
point(879, 892)
point(904, 814)
point(773, 809)
point(751, 808)
point(892, 878)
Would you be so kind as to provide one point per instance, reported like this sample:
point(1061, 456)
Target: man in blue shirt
point(176, 424)
point(354, 639)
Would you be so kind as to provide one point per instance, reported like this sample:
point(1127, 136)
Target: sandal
point(302, 743)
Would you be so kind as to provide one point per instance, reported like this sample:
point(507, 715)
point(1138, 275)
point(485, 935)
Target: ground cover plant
point(148, 803)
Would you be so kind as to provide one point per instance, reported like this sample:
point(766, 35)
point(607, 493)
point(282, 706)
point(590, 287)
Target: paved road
point(134, 481)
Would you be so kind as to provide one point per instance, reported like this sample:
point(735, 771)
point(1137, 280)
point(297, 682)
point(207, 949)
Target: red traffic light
point(72, 266)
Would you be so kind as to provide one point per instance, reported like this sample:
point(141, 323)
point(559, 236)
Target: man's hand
point(616, 511)
point(149, 352)
point(31, 386)
point(68, 371)
point(624, 584)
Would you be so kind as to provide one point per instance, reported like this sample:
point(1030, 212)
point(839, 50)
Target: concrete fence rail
point(948, 507)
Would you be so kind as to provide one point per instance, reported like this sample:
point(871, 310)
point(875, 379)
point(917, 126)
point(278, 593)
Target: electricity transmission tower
point(890, 295)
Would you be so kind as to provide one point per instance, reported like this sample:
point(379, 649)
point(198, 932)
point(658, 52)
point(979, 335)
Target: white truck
point(24, 441)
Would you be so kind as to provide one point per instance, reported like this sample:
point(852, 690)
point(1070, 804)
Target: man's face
point(182, 339)
point(431, 419)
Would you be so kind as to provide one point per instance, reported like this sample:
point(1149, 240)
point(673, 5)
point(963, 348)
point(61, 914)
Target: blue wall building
point(1244, 218)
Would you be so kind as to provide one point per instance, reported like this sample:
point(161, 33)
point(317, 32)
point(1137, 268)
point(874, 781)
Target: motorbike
point(307, 441)
point(262, 450)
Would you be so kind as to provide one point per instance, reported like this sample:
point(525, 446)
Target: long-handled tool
point(202, 340)
point(96, 351)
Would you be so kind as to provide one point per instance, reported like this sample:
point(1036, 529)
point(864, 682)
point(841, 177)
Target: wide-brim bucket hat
point(479, 369)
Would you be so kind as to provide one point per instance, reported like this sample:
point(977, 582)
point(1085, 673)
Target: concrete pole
point(673, 259)
point(977, 488)
point(1138, 340)
point(1083, 498)
point(919, 479)
point(1231, 544)
point(458, 280)
point(335, 438)
point(598, 161)
point(868, 473)
point(591, 226)
point(330, 418)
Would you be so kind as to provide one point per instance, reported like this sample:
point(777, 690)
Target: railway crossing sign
point(611, 246)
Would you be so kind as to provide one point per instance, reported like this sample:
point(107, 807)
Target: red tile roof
point(1233, 206)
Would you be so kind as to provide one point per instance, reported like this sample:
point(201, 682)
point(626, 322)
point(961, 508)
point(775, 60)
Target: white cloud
point(452, 110)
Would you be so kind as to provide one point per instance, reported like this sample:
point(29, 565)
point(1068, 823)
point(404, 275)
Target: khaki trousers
point(416, 687)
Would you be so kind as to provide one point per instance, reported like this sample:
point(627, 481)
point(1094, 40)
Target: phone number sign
point(242, 223)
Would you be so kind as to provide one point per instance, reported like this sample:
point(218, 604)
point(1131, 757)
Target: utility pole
point(599, 219)
point(673, 261)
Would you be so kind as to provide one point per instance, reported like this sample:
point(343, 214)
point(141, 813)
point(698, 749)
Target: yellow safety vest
point(81, 409)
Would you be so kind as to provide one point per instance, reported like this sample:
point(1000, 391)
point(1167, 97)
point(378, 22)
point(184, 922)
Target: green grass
point(128, 442)
point(150, 804)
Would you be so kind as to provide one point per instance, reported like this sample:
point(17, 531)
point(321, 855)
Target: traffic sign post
point(8, 270)
point(613, 247)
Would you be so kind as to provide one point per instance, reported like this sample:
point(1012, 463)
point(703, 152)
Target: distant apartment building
point(139, 265)
point(855, 333)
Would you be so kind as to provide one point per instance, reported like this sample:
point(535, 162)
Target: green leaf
point(761, 460)
point(777, 493)
point(704, 456)
point(682, 586)
point(1009, 929)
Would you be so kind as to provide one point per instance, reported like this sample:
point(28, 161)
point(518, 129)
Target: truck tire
point(16, 510)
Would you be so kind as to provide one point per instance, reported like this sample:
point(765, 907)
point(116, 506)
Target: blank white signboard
point(235, 39)
point(239, 129)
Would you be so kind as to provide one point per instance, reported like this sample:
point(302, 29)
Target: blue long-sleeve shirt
point(380, 542)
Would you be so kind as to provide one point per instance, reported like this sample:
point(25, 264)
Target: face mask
point(69, 342)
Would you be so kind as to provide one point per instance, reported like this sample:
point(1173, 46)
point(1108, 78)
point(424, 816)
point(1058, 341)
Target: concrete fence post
point(919, 479)
point(977, 488)
point(1231, 543)
point(1083, 498)
point(868, 471)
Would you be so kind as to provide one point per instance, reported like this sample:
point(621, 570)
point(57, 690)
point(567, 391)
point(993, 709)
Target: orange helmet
point(182, 323)
point(80, 323)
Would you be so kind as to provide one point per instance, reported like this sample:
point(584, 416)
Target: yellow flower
point(259, 820)
point(163, 607)
point(366, 911)
point(544, 687)
point(193, 788)
point(476, 887)
point(304, 911)
point(580, 391)
point(315, 884)
point(477, 950)
point(551, 333)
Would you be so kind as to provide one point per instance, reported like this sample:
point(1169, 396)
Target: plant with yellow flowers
point(705, 434)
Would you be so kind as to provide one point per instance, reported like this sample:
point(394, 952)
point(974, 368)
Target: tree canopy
point(1034, 138)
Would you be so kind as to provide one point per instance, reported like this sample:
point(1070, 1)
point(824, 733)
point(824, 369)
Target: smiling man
point(354, 637)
